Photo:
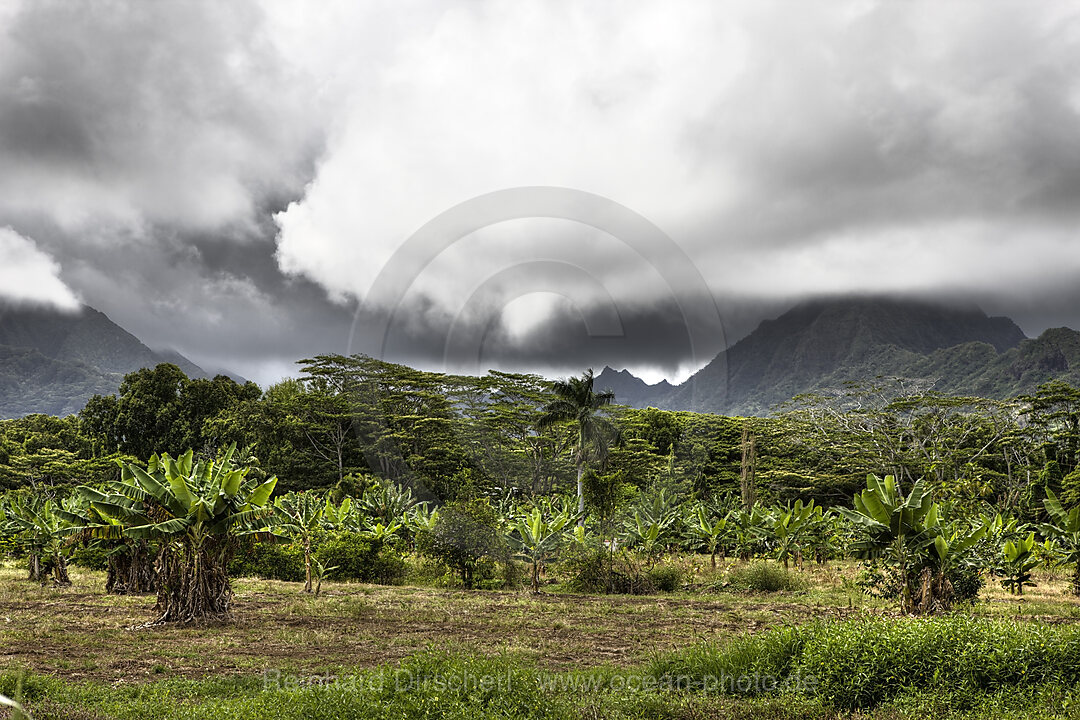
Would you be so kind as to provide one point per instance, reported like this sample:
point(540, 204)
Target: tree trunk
point(580, 493)
point(746, 479)
point(535, 577)
point(131, 573)
point(1076, 580)
point(35, 567)
point(59, 571)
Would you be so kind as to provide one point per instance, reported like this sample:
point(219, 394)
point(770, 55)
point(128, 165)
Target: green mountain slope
point(53, 362)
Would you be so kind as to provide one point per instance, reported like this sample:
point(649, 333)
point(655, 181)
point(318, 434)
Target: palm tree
point(576, 402)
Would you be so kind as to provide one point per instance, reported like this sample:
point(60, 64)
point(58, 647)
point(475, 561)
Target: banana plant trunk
point(1076, 580)
point(60, 571)
point(193, 584)
point(133, 572)
point(307, 564)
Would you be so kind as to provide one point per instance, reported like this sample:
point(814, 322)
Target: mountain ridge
point(53, 362)
point(825, 343)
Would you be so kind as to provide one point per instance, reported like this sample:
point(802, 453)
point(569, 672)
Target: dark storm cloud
point(230, 179)
point(144, 147)
point(655, 340)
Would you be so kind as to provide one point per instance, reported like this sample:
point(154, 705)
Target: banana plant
point(1063, 528)
point(321, 571)
point(647, 535)
point(1001, 527)
point(535, 539)
point(955, 546)
point(420, 518)
point(40, 529)
point(299, 516)
point(786, 527)
point(705, 531)
point(661, 511)
point(897, 528)
point(385, 502)
point(382, 534)
point(1019, 560)
point(745, 528)
point(130, 562)
point(343, 515)
point(197, 512)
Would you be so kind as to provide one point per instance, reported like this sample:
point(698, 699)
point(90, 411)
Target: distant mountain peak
point(827, 341)
point(52, 361)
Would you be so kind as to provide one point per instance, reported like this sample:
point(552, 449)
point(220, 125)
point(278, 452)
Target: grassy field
point(79, 653)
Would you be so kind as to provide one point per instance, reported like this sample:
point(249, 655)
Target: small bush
point(358, 558)
point(857, 664)
point(860, 663)
point(666, 578)
point(93, 557)
point(765, 577)
point(595, 571)
point(466, 534)
point(885, 582)
point(273, 561)
point(771, 656)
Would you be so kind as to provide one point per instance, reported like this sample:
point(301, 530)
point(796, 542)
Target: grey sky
point(229, 179)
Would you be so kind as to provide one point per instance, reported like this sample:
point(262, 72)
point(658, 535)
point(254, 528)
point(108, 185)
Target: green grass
point(438, 684)
point(70, 655)
point(862, 662)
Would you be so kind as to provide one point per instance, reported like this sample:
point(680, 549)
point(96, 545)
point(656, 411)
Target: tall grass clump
point(859, 663)
point(770, 656)
point(765, 577)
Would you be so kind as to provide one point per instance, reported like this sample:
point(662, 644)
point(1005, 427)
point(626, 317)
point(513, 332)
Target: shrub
point(274, 561)
point(91, 557)
point(885, 582)
point(466, 533)
point(666, 578)
point(592, 570)
point(859, 663)
point(358, 558)
point(765, 577)
point(772, 655)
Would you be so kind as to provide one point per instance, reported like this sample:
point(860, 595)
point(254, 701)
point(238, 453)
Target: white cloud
point(28, 275)
point(123, 118)
point(790, 148)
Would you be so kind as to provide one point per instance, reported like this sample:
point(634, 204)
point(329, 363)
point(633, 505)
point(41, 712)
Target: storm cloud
point(235, 179)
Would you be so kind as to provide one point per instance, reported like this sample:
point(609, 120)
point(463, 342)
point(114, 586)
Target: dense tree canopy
point(450, 437)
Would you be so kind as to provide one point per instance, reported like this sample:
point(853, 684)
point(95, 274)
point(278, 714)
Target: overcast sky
point(255, 182)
